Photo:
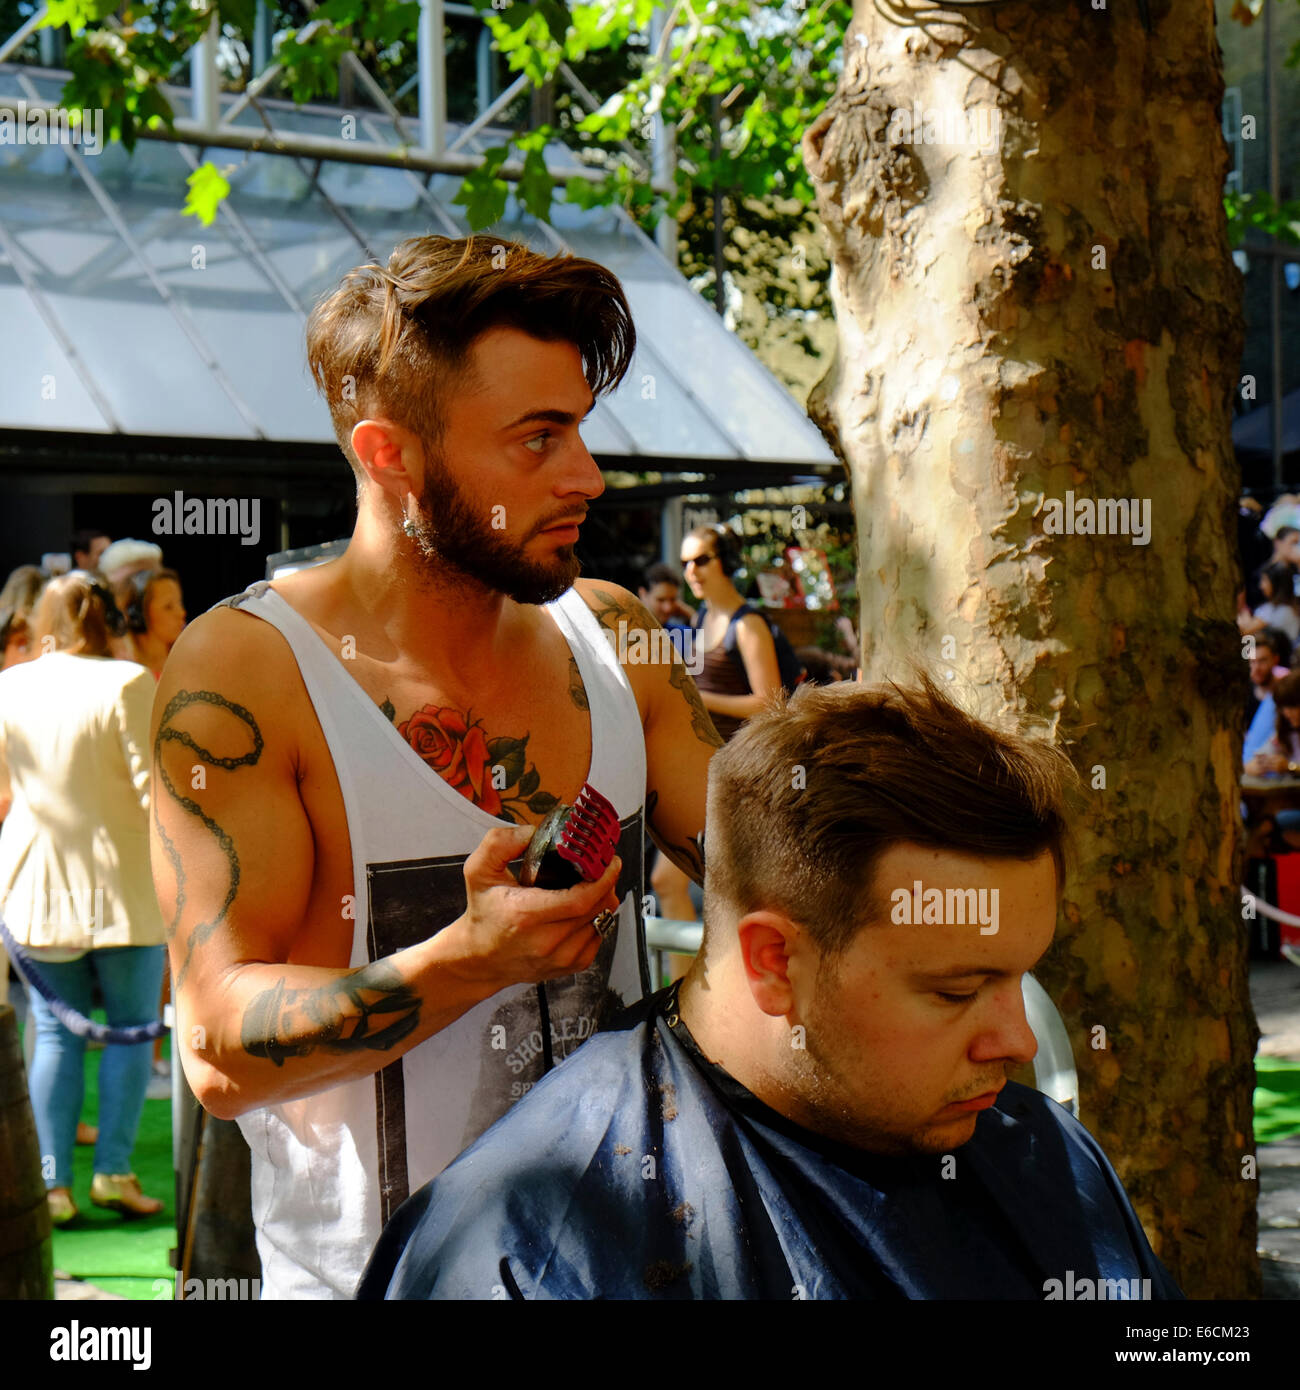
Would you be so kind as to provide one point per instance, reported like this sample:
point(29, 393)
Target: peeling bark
point(1058, 313)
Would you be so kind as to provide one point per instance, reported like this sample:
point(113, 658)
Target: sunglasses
point(697, 561)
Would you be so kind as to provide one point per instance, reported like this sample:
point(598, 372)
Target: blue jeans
point(130, 979)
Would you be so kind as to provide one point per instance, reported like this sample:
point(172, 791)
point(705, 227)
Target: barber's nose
point(583, 475)
point(1007, 1036)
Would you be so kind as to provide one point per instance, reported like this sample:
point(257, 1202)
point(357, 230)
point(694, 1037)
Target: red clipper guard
point(572, 843)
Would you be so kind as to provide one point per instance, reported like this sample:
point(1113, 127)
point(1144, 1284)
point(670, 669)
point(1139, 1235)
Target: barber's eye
point(955, 998)
point(541, 440)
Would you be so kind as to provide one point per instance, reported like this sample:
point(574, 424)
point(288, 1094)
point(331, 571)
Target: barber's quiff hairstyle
point(882, 765)
point(395, 341)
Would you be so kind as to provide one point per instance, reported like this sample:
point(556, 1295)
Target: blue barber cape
point(639, 1169)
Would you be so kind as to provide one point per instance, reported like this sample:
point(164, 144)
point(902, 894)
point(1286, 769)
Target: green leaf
point(76, 14)
point(529, 782)
point(508, 753)
point(481, 193)
point(207, 189)
point(556, 16)
point(543, 803)
point(536, 187)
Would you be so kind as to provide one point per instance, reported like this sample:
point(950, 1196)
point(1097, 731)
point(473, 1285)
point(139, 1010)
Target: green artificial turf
point(1277, 1098)
point(123, 1255)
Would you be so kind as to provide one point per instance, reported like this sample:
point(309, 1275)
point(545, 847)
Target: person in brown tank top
point(731, 690)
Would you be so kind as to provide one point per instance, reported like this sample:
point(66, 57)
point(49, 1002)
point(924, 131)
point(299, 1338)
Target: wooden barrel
point(214, 1207)
point(26, 1247)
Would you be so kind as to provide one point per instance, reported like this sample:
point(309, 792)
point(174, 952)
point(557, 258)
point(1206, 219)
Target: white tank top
point(330, 1170)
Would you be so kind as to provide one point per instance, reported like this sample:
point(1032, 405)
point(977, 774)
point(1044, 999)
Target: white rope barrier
point(1267, 910)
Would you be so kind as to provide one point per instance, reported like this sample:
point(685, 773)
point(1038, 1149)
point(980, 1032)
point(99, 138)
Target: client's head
point(881, 871)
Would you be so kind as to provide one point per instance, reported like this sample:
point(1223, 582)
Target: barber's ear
point(767, 942)
point(381, 448)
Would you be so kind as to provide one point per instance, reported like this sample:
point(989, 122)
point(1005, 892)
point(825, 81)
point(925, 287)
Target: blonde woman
point(75, 885)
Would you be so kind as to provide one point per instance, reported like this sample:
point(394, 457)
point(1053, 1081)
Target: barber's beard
point(460, 547)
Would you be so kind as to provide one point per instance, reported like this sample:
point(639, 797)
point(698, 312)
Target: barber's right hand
point(513, 935)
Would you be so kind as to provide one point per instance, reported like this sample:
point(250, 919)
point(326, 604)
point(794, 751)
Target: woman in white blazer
point(75, 886)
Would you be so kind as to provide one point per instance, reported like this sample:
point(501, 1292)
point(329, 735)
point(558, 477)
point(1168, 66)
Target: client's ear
point(767, 942)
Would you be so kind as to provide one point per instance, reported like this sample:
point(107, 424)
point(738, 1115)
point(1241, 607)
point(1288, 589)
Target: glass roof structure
point(112, 328)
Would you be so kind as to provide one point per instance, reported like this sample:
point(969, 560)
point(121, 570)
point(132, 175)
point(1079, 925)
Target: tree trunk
point(1037, 308)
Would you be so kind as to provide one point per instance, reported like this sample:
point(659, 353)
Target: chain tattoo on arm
point(167, 732)
point(371, 1008)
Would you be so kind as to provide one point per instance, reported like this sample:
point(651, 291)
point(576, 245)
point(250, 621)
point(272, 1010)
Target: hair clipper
point(572, 844)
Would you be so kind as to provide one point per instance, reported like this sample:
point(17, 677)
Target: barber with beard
point(348, 759)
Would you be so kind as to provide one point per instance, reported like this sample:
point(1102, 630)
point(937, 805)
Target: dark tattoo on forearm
point(167, 732)
point(577, 691)
point(689, 857)
point(370, 1009)
point(635, 614)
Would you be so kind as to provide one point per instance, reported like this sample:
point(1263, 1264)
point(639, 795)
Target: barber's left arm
point(679, 735)
point(679, 741)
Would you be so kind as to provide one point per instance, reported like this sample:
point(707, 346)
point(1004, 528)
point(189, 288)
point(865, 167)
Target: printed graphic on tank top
point(347, 1158)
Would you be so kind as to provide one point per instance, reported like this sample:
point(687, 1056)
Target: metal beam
point(661, 364)
point(227, 212)
point(431, 47)
point(664, 156)
point(204, 84)
point(484, 117)
point(18, 35)
point(588, 99)
point(227, 137)
point(178, 312)
point(75, 360)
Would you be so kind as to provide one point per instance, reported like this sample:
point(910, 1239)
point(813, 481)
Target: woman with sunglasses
point(733, 685)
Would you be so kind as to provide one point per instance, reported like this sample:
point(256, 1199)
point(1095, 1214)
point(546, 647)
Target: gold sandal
point(121, 1192)
point(62, 1208)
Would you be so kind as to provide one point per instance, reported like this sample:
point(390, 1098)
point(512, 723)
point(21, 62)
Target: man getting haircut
point(821, 1108)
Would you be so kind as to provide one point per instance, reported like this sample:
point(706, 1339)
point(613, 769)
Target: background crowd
point(76, 890)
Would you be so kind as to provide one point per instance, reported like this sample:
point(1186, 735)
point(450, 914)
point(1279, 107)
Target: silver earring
point(408, 528)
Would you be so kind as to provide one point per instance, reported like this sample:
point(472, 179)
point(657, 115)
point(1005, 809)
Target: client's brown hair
point(395, 340)
point(810, 793)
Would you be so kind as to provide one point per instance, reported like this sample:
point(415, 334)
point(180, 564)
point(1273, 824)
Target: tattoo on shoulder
point(701, 725)
point(372, 1008)
point(168, 732)
point(613, 611)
